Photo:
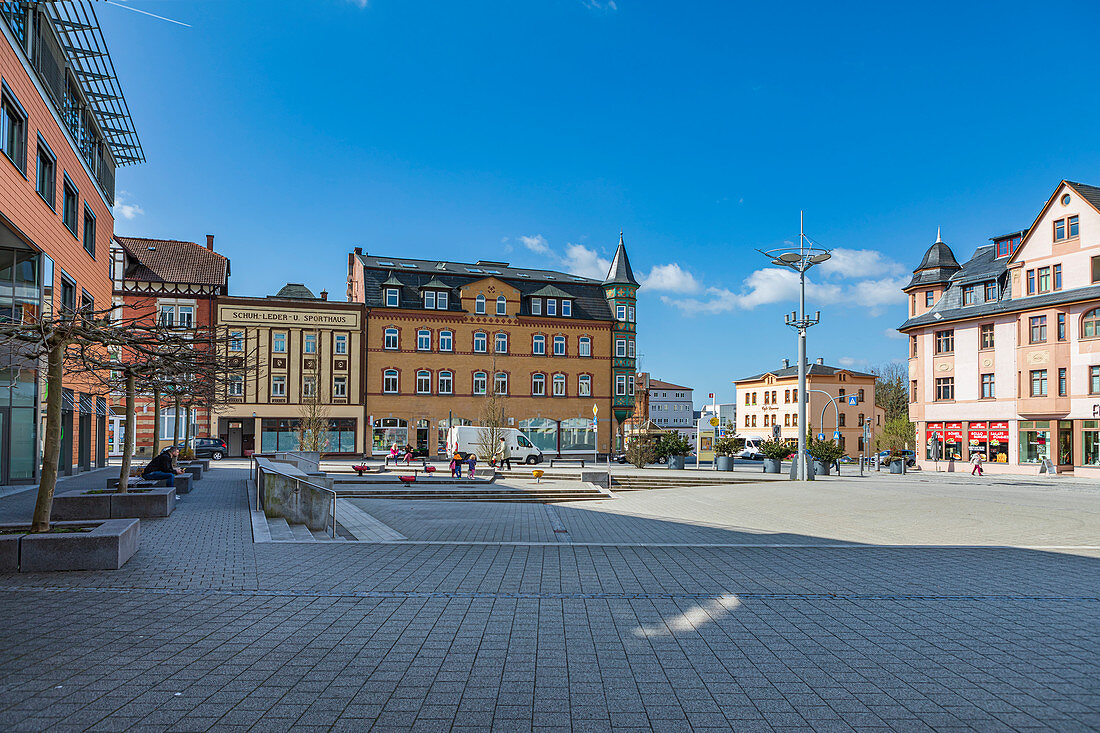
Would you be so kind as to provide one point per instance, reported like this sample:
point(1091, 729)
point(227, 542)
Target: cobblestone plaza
point(929, 602)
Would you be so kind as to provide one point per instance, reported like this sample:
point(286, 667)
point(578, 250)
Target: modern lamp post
point(800, 259)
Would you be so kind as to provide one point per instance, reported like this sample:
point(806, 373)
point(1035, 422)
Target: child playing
point(473, 464)
point(456, 465)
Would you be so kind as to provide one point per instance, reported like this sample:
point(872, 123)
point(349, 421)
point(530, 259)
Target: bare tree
point(493, 416)
point(892, 389)
point(313, 415)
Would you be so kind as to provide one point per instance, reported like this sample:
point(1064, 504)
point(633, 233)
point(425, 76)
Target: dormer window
point(536, 306)
point(990, 291)
point(929, 298)
point(392, 298)
point(567, 308)
point(435, 299)
point(970, 294)
point(479, 304)
point(441, 299)
point(429, 299)
point(551, 307)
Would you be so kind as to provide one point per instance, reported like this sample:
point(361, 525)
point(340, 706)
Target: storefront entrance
point(1065, 443)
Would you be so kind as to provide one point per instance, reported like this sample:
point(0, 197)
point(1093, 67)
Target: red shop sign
point(953, 434)
point(954, 426)
point(935, 426)
point(978, 426)
point(979, 436)
point(1001, 435)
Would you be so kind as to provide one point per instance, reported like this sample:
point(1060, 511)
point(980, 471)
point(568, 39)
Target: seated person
point(164, 467)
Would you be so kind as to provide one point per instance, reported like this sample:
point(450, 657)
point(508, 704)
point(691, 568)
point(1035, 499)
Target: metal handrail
point(297, 482)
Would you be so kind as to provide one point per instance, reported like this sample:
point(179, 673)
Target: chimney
point(210, 242)
point(358, 250)
point(786, 363)
point(324, 295)
point(819, 361)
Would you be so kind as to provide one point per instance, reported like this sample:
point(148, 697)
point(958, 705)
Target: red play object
point(407, 479)
point(430, 469)
point(360, 469)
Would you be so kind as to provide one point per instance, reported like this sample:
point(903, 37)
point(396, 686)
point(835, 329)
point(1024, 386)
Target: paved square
point(750, 607)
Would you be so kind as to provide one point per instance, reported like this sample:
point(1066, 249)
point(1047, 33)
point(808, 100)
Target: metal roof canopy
point(78, 27)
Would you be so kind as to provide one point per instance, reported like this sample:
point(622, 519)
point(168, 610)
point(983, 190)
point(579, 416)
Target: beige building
point(839, 400)
point(289, 347)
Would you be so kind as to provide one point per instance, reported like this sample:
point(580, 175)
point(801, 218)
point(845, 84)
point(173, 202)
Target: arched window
point(423, 340)
point(500, 384)
point(559, 385)
point(446, 340)
point(446, 382)
point(481, 342)
point(584, 385)
point(479, 304)
point(1090, 324)
point(538, 345)
point(559, 346)
point(391, 339)
point(423, 382)
point(389, 381)
point(501, 343)
point(502, 306)
point(538, 385)
point(585, 346)
point(479, 383)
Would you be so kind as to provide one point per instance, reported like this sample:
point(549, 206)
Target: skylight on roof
point(473, 269)
point(493, 272)
point(551, 277)
point(579, 279)
point(406, 264)
point(385, 264)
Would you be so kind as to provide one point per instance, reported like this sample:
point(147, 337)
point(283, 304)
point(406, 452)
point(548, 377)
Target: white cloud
point(849, 362)
point(536, 243)
point(600, 4)
point(124, 209)
point(893, 334)
point(859, 263)
point(671, 278)
point(580, 260)
point(360, 3)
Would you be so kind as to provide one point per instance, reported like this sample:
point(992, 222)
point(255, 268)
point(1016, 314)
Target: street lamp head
point(789, 258)
point(819, 258)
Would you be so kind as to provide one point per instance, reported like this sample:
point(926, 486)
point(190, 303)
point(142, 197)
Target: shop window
point(390, 340)
point(387, 431)
point(390, 382)
point(1090, 432)
point(538, 345)
point(446, 382)
point(988, 390)
point(446, 340)
point(538, 385)
point(480, 383)
point(1034, 440)
point(584, 385)
point(585, 346)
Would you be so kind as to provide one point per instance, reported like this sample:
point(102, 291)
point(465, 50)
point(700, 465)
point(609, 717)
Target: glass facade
point(1034, 440)
point(387, 431)
point(1090, 433)
point(281, 434)
point(577, 435)
point(20, 302)
point(542, 432)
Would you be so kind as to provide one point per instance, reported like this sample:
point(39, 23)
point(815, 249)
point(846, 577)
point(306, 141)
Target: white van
point(466, 439)
point(751, 450)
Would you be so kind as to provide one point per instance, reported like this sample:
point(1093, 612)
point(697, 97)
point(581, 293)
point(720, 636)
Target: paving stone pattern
point(205, 630)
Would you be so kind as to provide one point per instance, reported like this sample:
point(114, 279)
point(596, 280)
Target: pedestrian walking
point(504, 454)
point(456, 465)
point(472, 462)
point(836, 465)
point(976, 462)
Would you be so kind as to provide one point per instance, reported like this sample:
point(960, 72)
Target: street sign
point(775, 432)
point(714, 422)
point(836, 435)
point(853, 399)
point(595, 410)
point(722, 432)
point(711, 395)
point(821, 436)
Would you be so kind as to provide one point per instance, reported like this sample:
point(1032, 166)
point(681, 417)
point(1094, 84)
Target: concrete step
point(505, 496)
point(325, 536)
point(279, 528)
point(301, 532)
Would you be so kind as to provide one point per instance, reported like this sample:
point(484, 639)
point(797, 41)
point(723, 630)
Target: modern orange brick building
point(441, 335)
point(175, 283)
point(64, 127)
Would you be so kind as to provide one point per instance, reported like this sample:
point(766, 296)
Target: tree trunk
point(156, 419)
point(129, 430)
point(176, 420)
point(187, 426)
point(52, 449)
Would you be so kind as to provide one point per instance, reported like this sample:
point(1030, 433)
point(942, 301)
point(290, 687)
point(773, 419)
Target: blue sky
point(534, 131)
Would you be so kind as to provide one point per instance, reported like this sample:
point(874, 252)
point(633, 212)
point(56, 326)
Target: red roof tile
point(173, 261)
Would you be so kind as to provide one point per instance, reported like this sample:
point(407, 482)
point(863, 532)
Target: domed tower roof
point(938, 265)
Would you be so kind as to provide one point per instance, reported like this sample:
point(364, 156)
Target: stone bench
point(194, 469)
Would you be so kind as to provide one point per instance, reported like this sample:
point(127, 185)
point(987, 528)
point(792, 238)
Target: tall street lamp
point(800, 259)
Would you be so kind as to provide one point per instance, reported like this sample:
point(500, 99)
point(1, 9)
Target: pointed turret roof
point(938, 265)
point(620, 272)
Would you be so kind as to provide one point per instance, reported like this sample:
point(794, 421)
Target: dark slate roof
point(551, 291)
point(953, 310)
point(938, 265)
point(1087, 192)
point(814, 369)
point(984, 266)
point(173, 261)
point(620, 272)
point(295, 290)
point(412, 275)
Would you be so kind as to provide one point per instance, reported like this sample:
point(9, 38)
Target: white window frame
point(479, 305)
point(423, 339)
point(446, 382)
point(167, 316)
point(620, 385)
point(386, 335)
point(236, 340)
point(189, 312)
point(620, 348)
point(484, 342)
point(536, 306)
point(567, 308)
point(446, 341)
point(551, 307)
point(341, 342)
point(559, 340)
point(423, 381)
point(498, 340)
point(480, 383)
point(584, 385)
point(309, 386)
point(502, 306)
point(393, 298)
point(309, 343)
point(538, 345)
point(620, 313)
point(538, 385)
point(584, 346)
point(340, 387)
point(441, 300)
point(278, 385)
point(630, 385)
point(559, 385)
point(630, 314)
point(630, 349)
point(500, 378)
point(236, 385)
point(387, 375)
point(429, 299)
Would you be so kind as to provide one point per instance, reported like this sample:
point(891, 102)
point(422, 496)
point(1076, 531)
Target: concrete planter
point(676, 463)
point(79, 505)
point(897, 467)
point(723, 463)
point(821, 468)
point(108, 546)
point(194, 469)
point(183, 484)
point(772, 465)
point(204, 462)
point(112, 483)
point(9, 552)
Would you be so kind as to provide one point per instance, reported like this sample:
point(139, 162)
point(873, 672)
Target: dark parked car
point(213, 448)
point(910, 457)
